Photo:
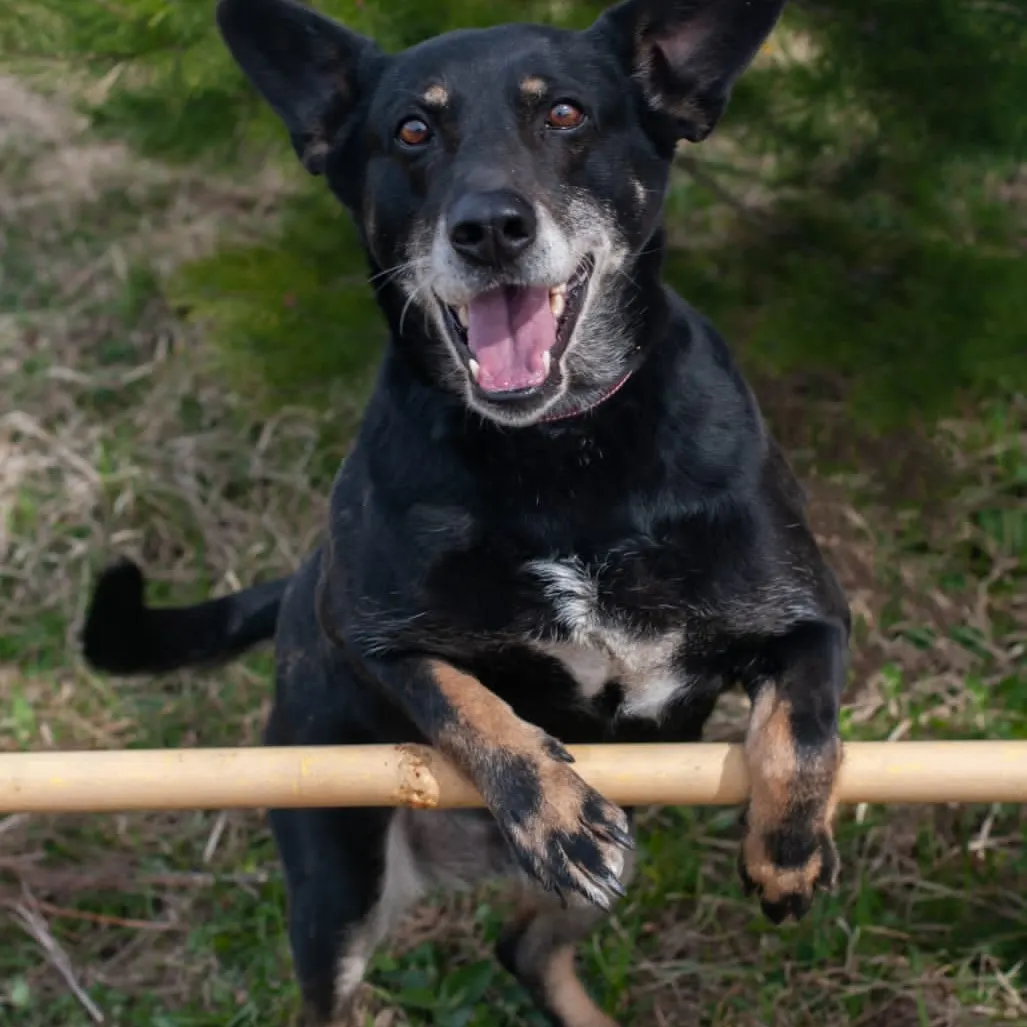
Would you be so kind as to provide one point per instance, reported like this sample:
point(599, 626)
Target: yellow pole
point(411, 775)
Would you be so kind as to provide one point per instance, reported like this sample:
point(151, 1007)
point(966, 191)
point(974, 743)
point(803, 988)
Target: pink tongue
point(509, 332)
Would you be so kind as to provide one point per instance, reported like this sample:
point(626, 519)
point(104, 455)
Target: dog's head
point(507, 182)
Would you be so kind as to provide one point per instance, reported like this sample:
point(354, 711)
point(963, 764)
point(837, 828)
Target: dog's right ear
point(687, 54)
point(305, 65)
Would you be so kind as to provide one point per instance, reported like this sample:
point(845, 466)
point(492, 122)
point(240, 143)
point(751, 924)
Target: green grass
point(119, 434)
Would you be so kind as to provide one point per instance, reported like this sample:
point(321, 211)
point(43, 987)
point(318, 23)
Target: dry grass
point(116, 437)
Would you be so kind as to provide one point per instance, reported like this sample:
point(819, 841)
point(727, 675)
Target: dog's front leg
point(793, 751)
point(563, 832)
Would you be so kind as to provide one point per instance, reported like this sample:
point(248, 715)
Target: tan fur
point(436, 95)
point(778, 783)
point(549, 935)
point(771, 755)
point(487, 729)
point(777, 883)
point(533, 86)
point(563, 797)
point(566, 994)
point(486, 720)
point(478, 708)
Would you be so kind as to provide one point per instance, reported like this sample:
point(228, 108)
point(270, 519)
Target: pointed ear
point(687, 54)
point(307, 67)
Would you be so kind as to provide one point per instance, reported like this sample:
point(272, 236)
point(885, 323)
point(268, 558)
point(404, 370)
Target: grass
point(118, 435)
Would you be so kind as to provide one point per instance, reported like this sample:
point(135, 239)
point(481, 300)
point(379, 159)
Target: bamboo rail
point(411, 775)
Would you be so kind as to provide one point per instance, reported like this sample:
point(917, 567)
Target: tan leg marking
point(566, 994)
point(544, 809)
point(792, 804)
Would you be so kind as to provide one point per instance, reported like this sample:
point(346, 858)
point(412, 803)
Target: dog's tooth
point(557, 303)
point(547, 361)
point(562, 289)
point(475, 368)
point(462, 316)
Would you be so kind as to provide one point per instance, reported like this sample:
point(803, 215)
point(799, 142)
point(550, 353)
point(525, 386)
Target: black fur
point(122, 635)
point(592, 558)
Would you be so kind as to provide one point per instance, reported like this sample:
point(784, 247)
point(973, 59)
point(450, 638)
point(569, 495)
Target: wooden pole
point(410, 775)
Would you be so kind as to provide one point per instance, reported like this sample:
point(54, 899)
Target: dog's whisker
point(412, 297)
point(621, 273)
point(390, 273)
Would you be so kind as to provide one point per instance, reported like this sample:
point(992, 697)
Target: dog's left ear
point(687, 54)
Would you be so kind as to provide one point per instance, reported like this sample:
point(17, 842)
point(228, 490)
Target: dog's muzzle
point(511, 336)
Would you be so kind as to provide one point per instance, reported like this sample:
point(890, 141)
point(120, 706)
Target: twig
point(63, 913)
point(12, 822)
point(215, 836)
point(37, 929)
point(122, 878)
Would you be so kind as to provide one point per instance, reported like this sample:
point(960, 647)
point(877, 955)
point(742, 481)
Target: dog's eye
point(413, 132)
point(564, 116)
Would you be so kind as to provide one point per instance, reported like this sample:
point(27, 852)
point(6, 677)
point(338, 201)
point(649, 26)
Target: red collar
point(584, 410)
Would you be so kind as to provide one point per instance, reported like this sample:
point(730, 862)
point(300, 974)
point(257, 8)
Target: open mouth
point(512, 336)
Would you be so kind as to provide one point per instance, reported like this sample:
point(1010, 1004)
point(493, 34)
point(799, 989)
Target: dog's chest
point(599, 646)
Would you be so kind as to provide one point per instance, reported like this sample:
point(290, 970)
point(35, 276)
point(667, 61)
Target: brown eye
point(413, 132)
point(565, 115)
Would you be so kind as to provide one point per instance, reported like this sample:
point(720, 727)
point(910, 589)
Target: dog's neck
point(591, 405)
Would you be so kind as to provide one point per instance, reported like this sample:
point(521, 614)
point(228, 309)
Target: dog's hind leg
point(538, 948)
point(349, 876)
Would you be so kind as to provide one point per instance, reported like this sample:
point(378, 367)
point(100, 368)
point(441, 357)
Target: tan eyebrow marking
point(533, 86)
point(436, 95)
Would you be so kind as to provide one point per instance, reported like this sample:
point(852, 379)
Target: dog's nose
point(491, 228)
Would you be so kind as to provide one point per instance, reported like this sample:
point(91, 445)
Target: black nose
point(491, 228)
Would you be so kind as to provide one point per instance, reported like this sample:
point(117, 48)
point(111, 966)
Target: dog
point(563, 519)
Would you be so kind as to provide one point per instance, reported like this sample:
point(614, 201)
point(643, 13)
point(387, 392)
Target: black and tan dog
point(563, 520)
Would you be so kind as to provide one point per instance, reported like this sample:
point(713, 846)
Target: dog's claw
point(558, 751)
point(622, 838)
point(606, 888)
point(613, 884)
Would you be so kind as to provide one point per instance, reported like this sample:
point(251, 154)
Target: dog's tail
point(122, 635)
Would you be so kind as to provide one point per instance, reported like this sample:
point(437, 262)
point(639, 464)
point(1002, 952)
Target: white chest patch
point(599, 650)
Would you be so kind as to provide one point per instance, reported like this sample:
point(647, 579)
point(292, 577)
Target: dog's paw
point(786, 867)
point(563, 832)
